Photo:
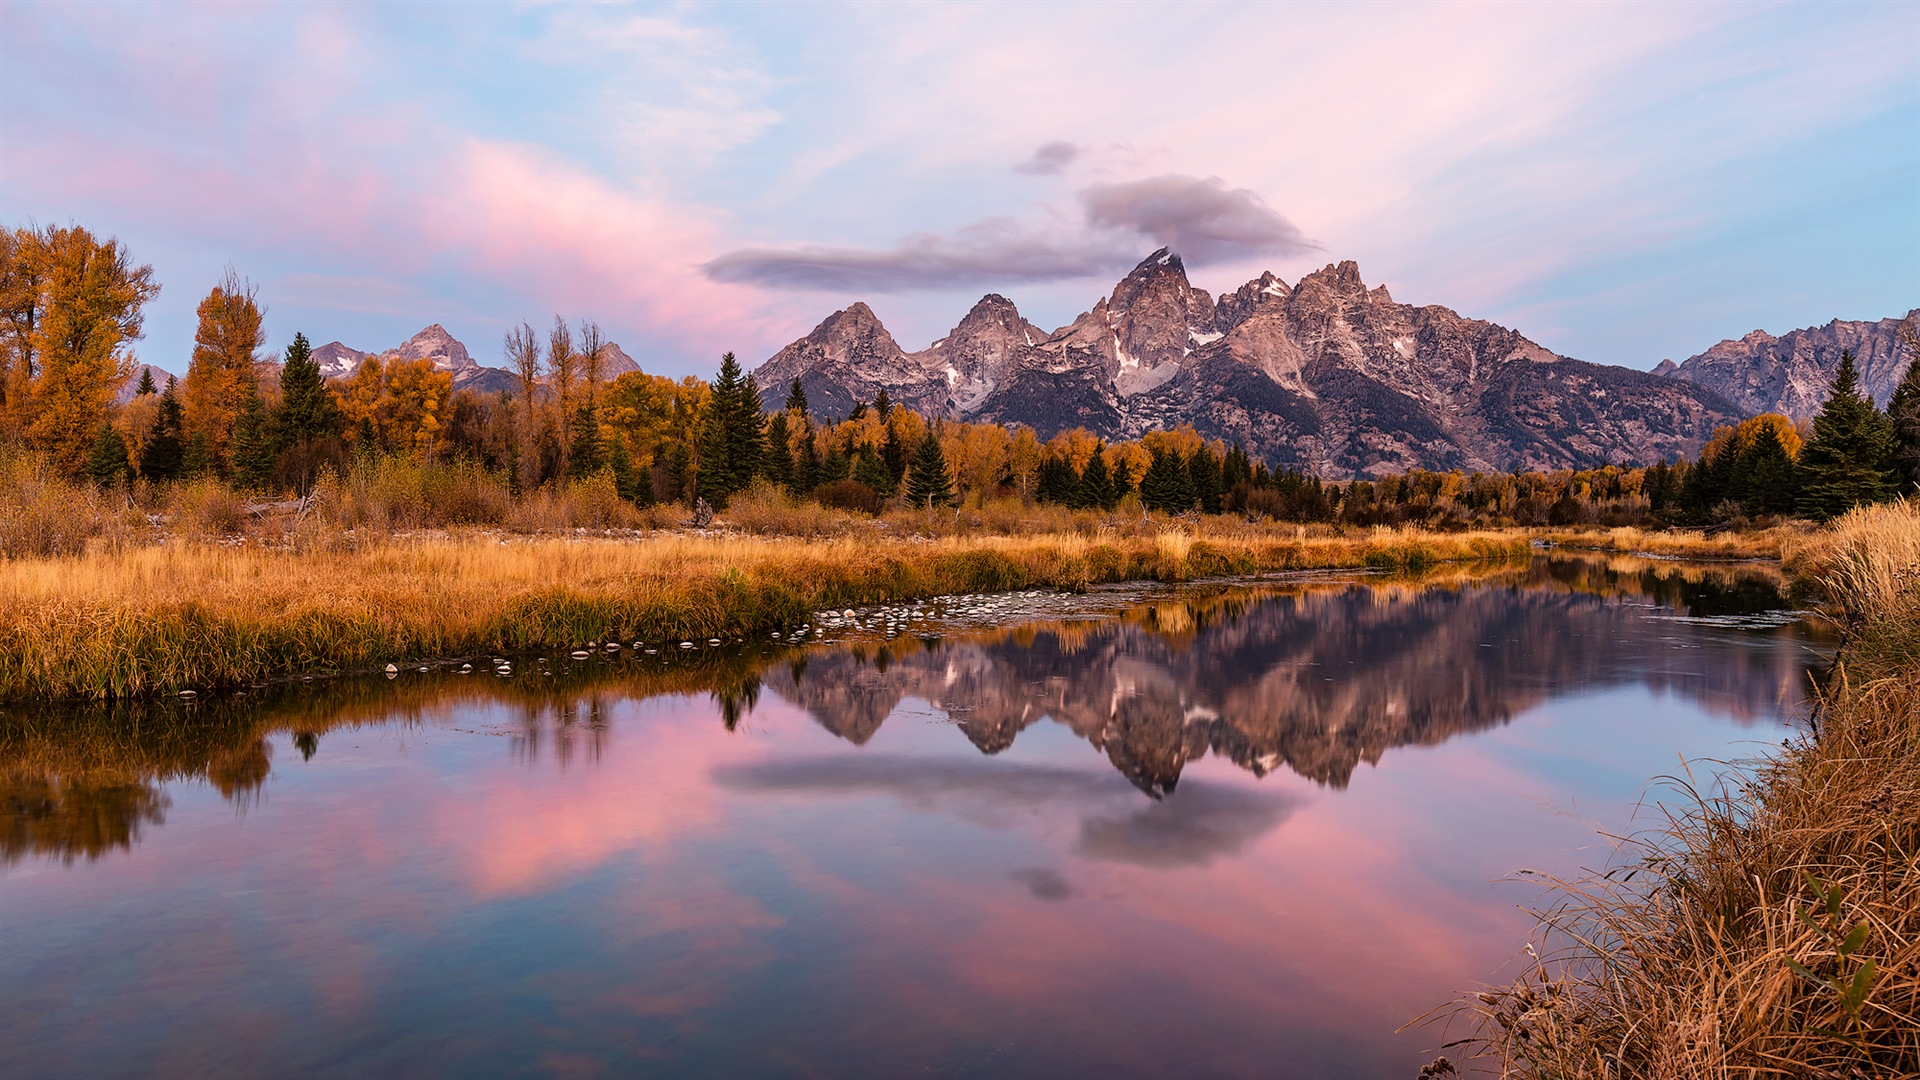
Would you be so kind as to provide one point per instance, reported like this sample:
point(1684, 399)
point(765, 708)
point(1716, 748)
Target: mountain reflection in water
point(1316, 675)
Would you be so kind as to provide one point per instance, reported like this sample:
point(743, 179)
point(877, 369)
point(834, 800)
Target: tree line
point(70, 308)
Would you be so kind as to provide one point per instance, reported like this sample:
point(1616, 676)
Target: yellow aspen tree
point(69, 306)
point(221, 376)
point(413, 404)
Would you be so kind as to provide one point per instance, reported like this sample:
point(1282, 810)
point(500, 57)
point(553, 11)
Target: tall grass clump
point(1769, 926)
point(392, 493)
point(42, 513)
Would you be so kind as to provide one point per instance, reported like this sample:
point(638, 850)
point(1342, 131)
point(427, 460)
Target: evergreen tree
point(870, 468)
point(1096, 486)
point(1054, 482)
point(731, 439)
point(777, 462)
point(1207, 487)
point(883, 406)
point(1659, 487)
point(307, 411)
point(631, 484)
point(196, 459)
point(1903, 410)
point(1847, 461)
point(1168, 486)
point(586, 454)
point(160, 458)
point(678, 467)
point(107, 460)
point(747, 432)
point(797, 398)
point(928, 483)
point(253, 447)
point(1767, 475)
point(837, 466)
point(806, 463)
point(1237, 468)
point(893, 451)
point(146, 382)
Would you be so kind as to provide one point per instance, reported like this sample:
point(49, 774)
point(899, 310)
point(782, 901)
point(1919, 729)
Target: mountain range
point(1790, 373)
point(338, 361)
point(1325, 375)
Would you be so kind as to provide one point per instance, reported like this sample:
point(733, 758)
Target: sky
point(1620, 183)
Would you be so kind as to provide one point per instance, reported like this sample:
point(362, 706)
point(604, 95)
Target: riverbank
point(149, 619)
point(1770, 926)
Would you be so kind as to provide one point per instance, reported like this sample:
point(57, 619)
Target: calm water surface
point(1220, 831)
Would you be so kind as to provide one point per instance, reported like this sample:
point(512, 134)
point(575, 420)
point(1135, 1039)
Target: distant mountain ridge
point(1791, 373)
point(338, 361)
point(1326, 375)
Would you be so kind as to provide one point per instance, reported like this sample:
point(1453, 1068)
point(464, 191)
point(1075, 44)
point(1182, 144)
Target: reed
point(1769, 926)
point(156, 619)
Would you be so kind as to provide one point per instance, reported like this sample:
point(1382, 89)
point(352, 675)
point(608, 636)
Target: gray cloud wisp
point(1049, 159)
point(1203, 220)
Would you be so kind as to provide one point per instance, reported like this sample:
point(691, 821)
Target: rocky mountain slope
point(1325, 375)
point(1790, 373)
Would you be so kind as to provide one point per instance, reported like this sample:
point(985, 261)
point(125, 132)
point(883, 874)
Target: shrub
point(849, 495)
point(44, 513)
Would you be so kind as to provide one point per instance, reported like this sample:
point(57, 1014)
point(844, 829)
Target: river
point(1229, 829)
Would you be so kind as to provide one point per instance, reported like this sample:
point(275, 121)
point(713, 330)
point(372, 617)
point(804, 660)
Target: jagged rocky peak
point(1234, 308)
point(1141, 333)
point(614, 361)
point(977, 356)
point(1791, 373)
point(435, 344)
point(337, 360)
point(850, 357)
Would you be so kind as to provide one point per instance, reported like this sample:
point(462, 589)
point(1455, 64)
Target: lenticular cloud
point(1204, 220)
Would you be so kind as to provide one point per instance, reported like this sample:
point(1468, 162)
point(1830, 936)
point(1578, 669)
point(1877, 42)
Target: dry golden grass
point(147, 619)
point(1770, 927)
point(1771, 542)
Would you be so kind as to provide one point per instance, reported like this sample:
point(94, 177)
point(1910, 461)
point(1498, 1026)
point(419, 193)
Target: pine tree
point(1207, 488)
point(928, 482)
point(146, 382)
point(870, 468)
point(307, 411)
point(836, 467)
point(679, 465)
point(107, 460)
point(1168, 486)
point(806, 463)
point(253, 447)
point(586, 454)
point(306, 426)
point(746, 433)
point(883, 405)
point(1767, 475)
point(1054, 481)
point(196, 459)
point(631, 484)
point(1903, 410)
point(1236, 469)
point(160, 458)
point(1847, 461)
point(797, 398)
point(731, 438)
point(1096, 486)
point(893, 452)
point(777, 462)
